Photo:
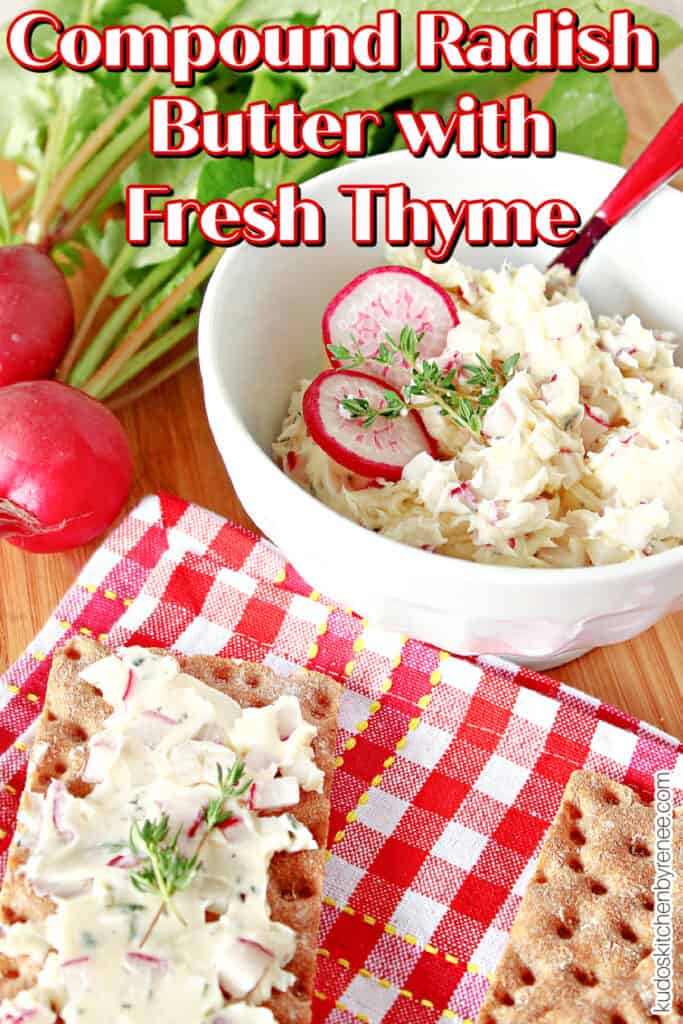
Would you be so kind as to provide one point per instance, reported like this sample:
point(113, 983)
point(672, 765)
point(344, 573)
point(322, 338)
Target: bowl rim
point(360, 536)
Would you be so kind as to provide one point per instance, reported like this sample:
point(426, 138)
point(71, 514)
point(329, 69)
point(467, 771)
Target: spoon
point(658, 162)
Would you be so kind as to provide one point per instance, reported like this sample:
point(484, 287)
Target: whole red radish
point(65, 466)
point(36, 314)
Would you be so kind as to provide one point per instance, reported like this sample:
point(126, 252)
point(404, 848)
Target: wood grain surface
point(173, 450)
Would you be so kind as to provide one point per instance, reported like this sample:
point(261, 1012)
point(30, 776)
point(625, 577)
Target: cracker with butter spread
point(75, 711)
point(580, 950)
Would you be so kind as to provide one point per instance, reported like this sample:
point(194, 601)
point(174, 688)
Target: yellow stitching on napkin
point(406, 993)
point(390, 929)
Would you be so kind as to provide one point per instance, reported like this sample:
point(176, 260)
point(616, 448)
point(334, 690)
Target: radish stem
point(106, 338)
point(20, 197)
point(137, 338)
point(49, 165)
point(78, 343)
point(86, 153)
point(153, 382)
point(145, 357)
point(80, 216)
point(121, 145)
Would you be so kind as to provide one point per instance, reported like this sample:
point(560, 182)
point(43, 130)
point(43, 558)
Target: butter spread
point(581, 457)
point(157, 754)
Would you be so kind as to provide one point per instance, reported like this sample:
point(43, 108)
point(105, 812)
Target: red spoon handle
point(655, 165)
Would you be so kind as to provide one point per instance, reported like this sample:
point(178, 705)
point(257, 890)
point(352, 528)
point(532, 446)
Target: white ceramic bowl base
point(260, 333)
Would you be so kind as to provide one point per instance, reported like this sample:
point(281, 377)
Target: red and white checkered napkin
point(449, 770)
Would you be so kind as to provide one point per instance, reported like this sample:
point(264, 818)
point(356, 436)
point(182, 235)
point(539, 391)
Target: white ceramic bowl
point(260, 333)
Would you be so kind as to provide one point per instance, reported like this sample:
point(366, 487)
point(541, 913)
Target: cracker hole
point(59, 768)
point(527, 976)
point(76, 732)
point(10, 974)
point(575, 864)
point(79, 789)
point(617, 1018)
point(299, 890)
point(639, 848)
point(678, 1006)
point(648, 903)
point(584, 977)
point(645, 954)
point(503, 997)
point(10, 915)
point(563, 931)
point(51, 716)
point(597, 888)
point(72, 653)
point(577, 836)
point(574, 812)
point(610, 798)
point(300, 991)
point(321, 705)
point(540, 879)
point(627, 933)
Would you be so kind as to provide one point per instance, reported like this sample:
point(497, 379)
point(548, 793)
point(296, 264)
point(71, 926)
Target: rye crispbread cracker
point(579, 950)
point(74, 710)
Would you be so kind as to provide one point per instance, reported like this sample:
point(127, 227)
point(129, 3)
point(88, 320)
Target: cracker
point(579, 950)
point(74, 710)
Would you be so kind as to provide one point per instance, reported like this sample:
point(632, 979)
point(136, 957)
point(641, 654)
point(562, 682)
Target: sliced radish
point(381, 450)
point(383, 301)
point(274, 794)
point(244, 968)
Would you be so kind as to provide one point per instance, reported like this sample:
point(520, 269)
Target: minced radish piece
point(36, 314)
point(125, 861)
point(16, 1016)
point(383, 301)
point(229, 823)
point(59, 794)
point(593, 425)
point(153, 963)
point(274, 794)
point(65, 466)
point(79, 961)
point(100, 750)
point(244, 968)
point(196, 824)
point(258, 759)
point(378, 451)
point(288, 719)
point(60, 889)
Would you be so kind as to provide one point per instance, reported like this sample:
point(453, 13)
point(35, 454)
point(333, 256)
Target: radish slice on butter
point(380, 451)
point(383, 301)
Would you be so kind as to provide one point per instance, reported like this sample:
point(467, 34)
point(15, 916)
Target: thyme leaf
point(464, 401)
point(163, 869)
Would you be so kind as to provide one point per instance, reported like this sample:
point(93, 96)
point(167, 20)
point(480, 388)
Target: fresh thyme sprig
point(164, 870)
point(429, 386)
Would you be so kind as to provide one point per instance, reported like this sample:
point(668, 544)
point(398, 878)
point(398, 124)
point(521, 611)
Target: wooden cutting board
point(173, 451)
